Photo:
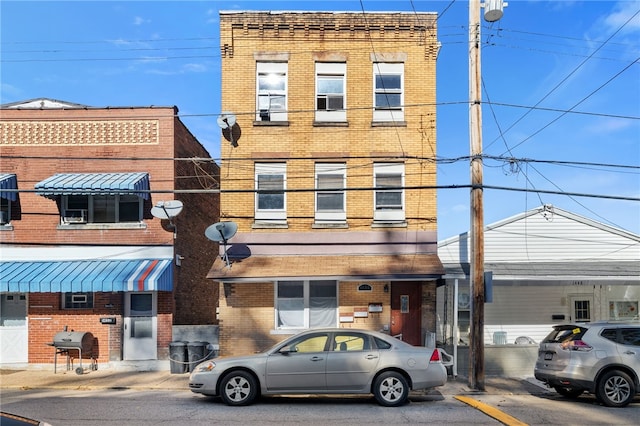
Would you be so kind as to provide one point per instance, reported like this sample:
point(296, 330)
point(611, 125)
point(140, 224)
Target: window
point(310, 344)
point(582, 310)
point(630, 336)
point(389, 195)
point(619, 310)
point(81, 209)
point(388, 91)
point(5, 211)
point(270, 196)
point(330, 203)
point(272, 91)
point(306, 304)
point(345, 341)
point(330, 91)
point(77, 301)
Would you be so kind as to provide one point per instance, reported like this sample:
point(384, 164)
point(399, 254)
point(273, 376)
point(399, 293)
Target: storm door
point(140, 326)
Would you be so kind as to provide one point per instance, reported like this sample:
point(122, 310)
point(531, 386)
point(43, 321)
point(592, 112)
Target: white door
point(14, 335)
point(140, 326)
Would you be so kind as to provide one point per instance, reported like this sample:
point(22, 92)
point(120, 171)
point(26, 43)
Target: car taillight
point(577, 345)
point(435, 356)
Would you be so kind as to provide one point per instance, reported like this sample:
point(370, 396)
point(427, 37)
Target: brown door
point(406, 306)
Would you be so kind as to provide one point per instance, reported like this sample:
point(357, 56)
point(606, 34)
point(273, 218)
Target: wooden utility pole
point(476, 336)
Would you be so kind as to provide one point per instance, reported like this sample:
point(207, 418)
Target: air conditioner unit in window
point(75, 216)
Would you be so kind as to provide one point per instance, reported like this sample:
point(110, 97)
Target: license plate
point(548, 356)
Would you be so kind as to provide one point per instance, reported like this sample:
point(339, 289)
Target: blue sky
point(561, 81)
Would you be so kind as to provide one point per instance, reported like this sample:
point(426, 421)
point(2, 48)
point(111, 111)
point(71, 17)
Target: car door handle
point(371, 356)
point(629, 352)
point(316, 358)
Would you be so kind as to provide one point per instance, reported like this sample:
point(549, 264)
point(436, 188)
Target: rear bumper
point(554, 380)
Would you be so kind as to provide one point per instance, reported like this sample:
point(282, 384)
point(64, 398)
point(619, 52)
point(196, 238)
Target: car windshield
point(565, 333)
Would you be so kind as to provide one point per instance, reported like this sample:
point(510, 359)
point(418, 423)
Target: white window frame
point(275, 111)
point(271, 169)
point(72, 216)
point(381, 112)
point(385, 214)
point(337, 71)
point(331, 216)
point(306, 304)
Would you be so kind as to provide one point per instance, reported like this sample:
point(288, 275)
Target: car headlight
point(206, 366)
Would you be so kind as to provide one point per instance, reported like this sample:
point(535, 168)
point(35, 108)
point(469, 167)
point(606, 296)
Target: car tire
point(391, 389)
point(615, 389)
point(238, 388)
point(569, 392)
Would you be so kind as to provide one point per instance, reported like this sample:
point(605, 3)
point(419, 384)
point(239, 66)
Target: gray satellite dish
point(221, 232)
point(230, 129)
point(167, 209)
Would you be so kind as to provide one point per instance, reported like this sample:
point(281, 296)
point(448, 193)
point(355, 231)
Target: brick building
point(328, 174)
point(80, 247)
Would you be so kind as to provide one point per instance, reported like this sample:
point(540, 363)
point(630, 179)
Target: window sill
point(330, 225)
point(271, 123)
point(389, 224)
point(100, 226)
point(388, 124)
point(330, 124)
point(7, 227)
point(270, 224)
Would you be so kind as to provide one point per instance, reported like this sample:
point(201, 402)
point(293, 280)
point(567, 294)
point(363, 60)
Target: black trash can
point(197, 353)
point(178, 357)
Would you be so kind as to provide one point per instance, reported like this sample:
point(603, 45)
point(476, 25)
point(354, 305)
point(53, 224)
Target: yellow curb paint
point(491, 411)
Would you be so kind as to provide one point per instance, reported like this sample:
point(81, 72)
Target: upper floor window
point(306, 304)
point(77, 301)
point(330, 91)
point(330, 203)
point(388, 91)
point(5, 211)
point(270, 183)
point(8, 181)
point(79, 209)
point(271, 102)
point(389, 192)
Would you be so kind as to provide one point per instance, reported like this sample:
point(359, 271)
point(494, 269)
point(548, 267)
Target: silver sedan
point(324, 361)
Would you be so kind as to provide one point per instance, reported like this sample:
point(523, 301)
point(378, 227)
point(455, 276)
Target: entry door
point(406, 307)
point(14, 335)
point(140, 326)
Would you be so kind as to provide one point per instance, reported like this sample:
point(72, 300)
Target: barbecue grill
point(65, 342)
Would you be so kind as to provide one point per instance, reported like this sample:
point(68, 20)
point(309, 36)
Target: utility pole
point(493, 12)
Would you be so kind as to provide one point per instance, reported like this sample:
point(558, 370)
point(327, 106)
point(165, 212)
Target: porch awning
point(95, 184)
point(343, 267)
point(8, 181)
point(86, 276)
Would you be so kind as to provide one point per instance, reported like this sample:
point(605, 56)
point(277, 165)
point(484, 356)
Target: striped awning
point(86, 276)
point(95, 184)
point(8, 181)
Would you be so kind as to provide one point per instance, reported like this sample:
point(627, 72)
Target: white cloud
point(139, 20)
point(624, 11)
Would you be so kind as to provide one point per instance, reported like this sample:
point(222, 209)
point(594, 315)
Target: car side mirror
point(286, 350)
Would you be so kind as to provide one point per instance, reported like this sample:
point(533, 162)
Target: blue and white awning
point(8, 181)
point(95, 184)
point(86, 276)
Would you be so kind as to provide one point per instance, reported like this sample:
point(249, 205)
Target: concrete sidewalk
point(165, 380)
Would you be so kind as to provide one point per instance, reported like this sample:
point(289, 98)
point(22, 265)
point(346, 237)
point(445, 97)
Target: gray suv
point(602, 358)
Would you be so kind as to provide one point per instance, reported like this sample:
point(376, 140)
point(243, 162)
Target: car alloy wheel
point(238, 388)
point(615, 389)
point(391, 389)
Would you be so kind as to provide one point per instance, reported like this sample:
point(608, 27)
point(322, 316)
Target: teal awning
point(86, 276)
point(95, 184)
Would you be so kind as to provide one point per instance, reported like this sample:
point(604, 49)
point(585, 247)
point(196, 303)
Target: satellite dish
point(230, 129)
point(221, 232)
point(226, 120)
point(167, 209)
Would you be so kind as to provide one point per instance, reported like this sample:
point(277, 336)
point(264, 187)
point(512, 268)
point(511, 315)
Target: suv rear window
point(565, 333)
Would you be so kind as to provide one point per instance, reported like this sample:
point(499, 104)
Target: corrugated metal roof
point(94, 184)
point(86, 276)
point(8, 181)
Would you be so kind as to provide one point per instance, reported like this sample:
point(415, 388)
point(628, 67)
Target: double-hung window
point(306, 304)
point(270, 185)
point(388, 91)
point(331, 197)
point(119, 208)
point(271, 102)
point(389, 192)
point(331, 91)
